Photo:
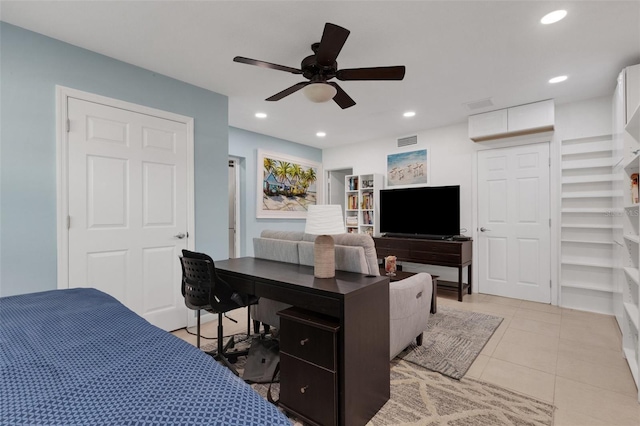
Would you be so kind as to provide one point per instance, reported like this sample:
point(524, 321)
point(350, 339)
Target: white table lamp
point(324, 220)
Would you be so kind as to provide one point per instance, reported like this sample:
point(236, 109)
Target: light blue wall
point(244, 145)
point(31, 66)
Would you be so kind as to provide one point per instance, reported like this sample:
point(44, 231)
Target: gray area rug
point(452, 341)
point(423, 397)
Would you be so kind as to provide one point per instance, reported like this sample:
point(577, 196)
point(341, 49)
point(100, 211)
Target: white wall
point(453, 159)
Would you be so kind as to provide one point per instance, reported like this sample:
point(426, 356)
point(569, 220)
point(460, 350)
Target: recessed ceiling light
point(261, 115)
point(553, 17)
point(558, 79)
point(409, 114)
point(321, 134)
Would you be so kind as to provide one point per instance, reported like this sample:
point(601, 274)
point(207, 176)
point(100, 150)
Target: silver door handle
point(180, 236)
point(483, 229)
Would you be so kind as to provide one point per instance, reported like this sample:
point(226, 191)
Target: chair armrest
point(410, 294)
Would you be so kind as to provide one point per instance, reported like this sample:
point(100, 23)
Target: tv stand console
point(455, 254)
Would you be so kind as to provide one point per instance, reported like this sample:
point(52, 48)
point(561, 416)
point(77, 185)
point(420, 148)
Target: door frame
point(554, 202)
point(237, 237)
point(62, 167)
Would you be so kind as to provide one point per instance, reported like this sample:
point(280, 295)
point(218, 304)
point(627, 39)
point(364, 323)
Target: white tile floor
point(566, 357)
point(570, 358)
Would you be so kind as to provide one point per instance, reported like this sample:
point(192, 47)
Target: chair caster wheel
point(232, 359)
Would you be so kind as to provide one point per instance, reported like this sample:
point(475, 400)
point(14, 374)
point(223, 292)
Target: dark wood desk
point(455, 254)
point(358, 302)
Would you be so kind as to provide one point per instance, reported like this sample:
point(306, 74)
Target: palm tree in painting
point(309, 177)
point(296, 175)
point(282, 172)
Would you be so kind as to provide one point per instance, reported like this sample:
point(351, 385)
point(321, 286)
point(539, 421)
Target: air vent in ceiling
point(409, 140)
point(481, 103)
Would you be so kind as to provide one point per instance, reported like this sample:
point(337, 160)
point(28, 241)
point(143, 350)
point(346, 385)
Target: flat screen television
point(422, 212)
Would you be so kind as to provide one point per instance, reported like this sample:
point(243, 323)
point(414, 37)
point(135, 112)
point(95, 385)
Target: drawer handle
point(304, 389)
point(303, 341)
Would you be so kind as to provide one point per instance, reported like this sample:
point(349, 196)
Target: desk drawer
point(310, 337)
point(309, 391)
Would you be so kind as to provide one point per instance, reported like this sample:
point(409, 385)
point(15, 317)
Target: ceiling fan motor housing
point(314, 72)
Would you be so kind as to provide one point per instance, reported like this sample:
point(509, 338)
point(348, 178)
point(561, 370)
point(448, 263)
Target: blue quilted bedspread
point(79, 357)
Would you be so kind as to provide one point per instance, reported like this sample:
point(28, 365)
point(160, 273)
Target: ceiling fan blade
point(376, 73)
point(333, 38)
point(288, 91)
point(264, 64)
point(341, 98)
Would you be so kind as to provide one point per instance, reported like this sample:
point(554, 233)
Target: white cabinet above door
point(536, 117)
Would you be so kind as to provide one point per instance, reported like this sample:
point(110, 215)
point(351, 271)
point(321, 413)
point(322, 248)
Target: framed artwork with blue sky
point(406, 169)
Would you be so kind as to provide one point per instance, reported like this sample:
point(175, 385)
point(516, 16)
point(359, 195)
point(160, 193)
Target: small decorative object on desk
point(634, 188)
point(390, 265)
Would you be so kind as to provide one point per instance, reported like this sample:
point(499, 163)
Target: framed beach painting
point(286, 186)
point(407, 169)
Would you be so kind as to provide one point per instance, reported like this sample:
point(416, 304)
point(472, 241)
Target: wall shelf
point(633, 274)
point(629, 354)
point(633, 126)
point(587, 242)
point(592, 194)
point(626, 128)
point(583, 286)
point(589, 207)
point(632, 311)
point(633, 238)
point(598, 210)
point(588, 164)
point(593, 226)
point(632, 164)
point(592, 178)
point(588, 263)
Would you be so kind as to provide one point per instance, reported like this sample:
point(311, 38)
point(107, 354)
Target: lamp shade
point(319, 92)
point(324, 219)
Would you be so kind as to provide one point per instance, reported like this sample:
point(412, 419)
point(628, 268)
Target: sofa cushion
point(272, 249)
point(282, 235)
point(348, 258)
point(366, 242)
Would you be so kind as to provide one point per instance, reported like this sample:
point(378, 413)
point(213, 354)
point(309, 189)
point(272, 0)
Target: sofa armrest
point(410, 294)
point(409, 307)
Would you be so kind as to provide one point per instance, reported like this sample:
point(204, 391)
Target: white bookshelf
point(362, 195)
point(588, 226)
point(626, 129)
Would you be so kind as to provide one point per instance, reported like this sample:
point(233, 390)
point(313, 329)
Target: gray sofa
point(410, 299)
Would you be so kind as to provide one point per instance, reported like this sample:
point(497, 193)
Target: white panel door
point(128, 208)
point(513, 220)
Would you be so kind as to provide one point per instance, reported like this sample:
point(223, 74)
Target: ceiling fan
point(321, 67)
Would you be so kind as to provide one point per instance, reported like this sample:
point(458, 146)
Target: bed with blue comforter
point(80, 357)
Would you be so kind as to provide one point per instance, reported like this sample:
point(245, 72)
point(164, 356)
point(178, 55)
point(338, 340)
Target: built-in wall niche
point(585, 234)
point(632, 255)
point(590, 219)
point(580, 275)
point(630, 223)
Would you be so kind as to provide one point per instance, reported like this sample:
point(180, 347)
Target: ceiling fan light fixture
point(319, 92)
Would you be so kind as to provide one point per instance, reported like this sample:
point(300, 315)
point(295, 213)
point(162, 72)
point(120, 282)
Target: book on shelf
point(353, 183)
point(634, 188)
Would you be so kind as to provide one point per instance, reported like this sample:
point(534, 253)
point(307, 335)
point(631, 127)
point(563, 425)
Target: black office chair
point(202, 288)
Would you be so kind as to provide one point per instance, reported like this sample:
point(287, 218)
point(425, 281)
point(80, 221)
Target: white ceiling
point(454, 52)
